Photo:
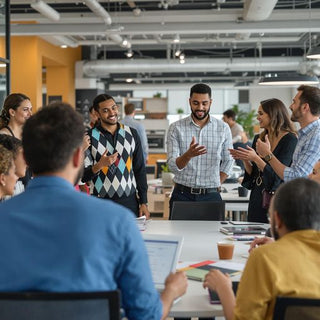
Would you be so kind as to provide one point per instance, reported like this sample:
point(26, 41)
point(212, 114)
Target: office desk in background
point(200, 238)
point(158, 198)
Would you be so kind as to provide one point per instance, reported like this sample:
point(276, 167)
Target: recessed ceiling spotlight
point(63, 46)
point(182, 56)
point(129, 80)
point(182, 61)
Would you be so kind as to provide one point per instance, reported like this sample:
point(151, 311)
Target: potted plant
point(157, 95)
point(166, 176)
point(180, 112)
point(246, 119)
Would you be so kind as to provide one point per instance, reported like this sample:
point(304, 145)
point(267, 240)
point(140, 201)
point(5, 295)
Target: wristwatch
point(268, 157)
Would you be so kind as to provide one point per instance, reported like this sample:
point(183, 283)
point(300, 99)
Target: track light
point(182, 56)
point(45, 10)
point(314, 53)
point(177, 53)
point(176, 39)
point(129, 53)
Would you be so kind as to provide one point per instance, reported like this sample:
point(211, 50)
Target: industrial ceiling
point(221, 40)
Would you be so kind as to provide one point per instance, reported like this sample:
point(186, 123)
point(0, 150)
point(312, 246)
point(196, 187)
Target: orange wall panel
point(29, 55)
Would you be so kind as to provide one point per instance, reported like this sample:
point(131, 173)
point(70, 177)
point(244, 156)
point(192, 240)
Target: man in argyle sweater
point(114, 163)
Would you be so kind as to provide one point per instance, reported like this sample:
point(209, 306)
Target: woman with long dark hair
point(259, 176)
point(16, 110)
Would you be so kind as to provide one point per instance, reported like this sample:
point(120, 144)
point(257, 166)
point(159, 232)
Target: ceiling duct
point(45, 10)
point(98, 68)
point(257, 10)
point(99, 10)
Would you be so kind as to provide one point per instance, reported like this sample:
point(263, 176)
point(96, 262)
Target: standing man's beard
point(296, 115)
point(205, 114)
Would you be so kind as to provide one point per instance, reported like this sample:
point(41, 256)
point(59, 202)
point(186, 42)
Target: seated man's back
point(56, 239)
point(53, 238)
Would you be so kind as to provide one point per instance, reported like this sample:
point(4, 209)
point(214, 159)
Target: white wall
point(257, 94)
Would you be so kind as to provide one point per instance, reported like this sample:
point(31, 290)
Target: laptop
point(164, 252)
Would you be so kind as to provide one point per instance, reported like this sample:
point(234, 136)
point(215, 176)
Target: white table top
point(200, 238)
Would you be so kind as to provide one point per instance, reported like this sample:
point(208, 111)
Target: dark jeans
point(178, 195)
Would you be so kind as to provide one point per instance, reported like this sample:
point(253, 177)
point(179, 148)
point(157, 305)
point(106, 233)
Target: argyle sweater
point(127, 174)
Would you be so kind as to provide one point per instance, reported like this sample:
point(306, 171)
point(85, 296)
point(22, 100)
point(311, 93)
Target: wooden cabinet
point(153, 157)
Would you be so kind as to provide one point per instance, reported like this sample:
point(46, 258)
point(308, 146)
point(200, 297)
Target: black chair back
point(202, 210)
point(288, 308)
point(104, 305)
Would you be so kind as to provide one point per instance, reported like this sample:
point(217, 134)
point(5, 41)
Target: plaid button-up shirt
point(201, 171)
point(307, 152)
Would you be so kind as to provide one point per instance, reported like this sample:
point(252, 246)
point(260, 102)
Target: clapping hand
point(263, 148)
point(247, 154)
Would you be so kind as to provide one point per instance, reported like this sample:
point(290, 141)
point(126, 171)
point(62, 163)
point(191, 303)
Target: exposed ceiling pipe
point(45, 10)
point(99, 10)
point(257, 10)
point(98, 68)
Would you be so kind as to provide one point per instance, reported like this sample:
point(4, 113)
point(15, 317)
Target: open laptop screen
point(163, 252)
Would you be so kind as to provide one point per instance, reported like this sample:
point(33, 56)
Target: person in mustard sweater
point(289, 266)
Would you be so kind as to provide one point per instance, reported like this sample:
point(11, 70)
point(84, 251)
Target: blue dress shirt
point(53, 238)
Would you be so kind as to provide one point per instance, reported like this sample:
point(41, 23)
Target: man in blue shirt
point(53, 238)
point(306, 111)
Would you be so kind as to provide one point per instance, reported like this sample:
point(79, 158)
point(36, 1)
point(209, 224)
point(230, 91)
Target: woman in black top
point(259, 176)
point(16, 110)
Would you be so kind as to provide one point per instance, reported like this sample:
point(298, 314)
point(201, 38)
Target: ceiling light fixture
point(288, 80)
point(45, 10)
point(314, 53)
point(129, 53)
point(182, 56)
point(177, 53)
point(176, 39)
point(129, 80)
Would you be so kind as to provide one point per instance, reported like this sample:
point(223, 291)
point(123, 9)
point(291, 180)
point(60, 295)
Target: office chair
point(202, 210)
point(104, 305)
point(287, 308)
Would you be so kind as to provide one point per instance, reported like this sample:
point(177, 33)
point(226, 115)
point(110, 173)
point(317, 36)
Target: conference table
point(200, 244)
